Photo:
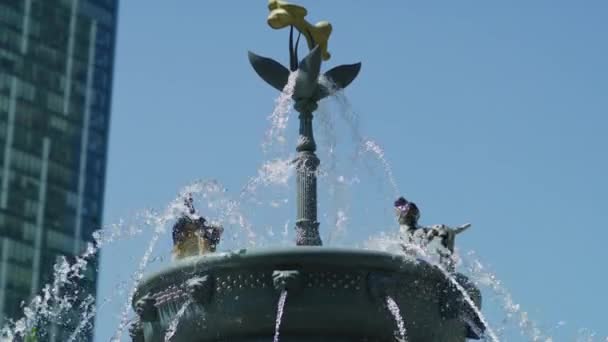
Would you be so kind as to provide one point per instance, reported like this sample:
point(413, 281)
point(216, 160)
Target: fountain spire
point(306, 94)
point(227, 296)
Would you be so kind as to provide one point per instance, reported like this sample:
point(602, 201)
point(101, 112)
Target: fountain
point(307, 292)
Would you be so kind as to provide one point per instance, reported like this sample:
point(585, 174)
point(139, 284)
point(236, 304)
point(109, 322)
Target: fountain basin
point(332, 295)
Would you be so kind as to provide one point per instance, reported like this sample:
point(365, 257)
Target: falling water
point(468, 321)
point(229, 211)
point(160, 227)
point(274, 172)
point(339, 227)
point(279, 116)
point(394, 309)
point(478, 273)
point(280, 308)
point(461, 289)
point(88, 314)
point(422, 253)
point(174, 323)
point(51, 303)
point(346, 112)
point(88, 308)
point(365, 145)
point(326, 138)
point(175, 209)
point(340, 175)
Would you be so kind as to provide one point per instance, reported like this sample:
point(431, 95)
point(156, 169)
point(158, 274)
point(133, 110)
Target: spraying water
point(479, 274)
point(279, 116)
point(459, 287)
point(175, 209)
point(175, 322)
point(54, 302)
point(335, 184)
point(339, 174)
point(394, 309)
point(390, 243)
point(274, 172)
point(159, 224)
point(280, 308)
point(374, 147)
point(160, 227)
point(472, 324)
point(88, 314)
point(350, 117)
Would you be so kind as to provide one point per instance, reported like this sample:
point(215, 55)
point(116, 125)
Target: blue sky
point(493, 113)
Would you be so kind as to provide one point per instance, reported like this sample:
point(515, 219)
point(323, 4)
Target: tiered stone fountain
point(331, 294)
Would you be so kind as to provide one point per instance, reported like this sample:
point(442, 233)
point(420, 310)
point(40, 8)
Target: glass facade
point(56, 66)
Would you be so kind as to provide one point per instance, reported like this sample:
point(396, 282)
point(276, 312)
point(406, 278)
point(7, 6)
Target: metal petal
point(269, 70)
point(340, 76)
point(343, 75)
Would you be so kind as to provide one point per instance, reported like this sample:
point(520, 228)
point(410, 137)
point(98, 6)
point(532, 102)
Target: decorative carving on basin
point(338, 292)
point(381, 285)
point(287, 281)
point(200, 289)
point(146, 309)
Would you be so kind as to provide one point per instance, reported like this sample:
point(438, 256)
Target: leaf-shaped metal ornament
point(338, 78)
point(270, 70)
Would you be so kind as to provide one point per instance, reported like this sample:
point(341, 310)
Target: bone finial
point(283, 14)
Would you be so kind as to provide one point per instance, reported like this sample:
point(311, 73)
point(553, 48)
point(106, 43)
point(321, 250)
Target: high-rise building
point(56, 66)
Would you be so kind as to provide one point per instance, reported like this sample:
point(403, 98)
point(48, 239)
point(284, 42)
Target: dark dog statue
point(192, 235)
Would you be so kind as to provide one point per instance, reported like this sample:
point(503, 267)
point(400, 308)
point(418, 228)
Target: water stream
point(280, 115)
point(175, 322)
point(473, 325)
point(85, 320)
point(159, 221)
point(427, 257)
point(280, 308)
point(365, 145)
point(478, 273)
point(394, 309)
point(54, 301)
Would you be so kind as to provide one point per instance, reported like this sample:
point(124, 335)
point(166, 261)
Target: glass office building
point(56, 65)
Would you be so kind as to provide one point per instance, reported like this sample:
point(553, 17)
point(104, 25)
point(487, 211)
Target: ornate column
point(307, 227)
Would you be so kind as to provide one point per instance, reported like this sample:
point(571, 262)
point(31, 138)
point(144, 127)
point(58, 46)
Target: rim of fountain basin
point(379, 266)
point(287, 258)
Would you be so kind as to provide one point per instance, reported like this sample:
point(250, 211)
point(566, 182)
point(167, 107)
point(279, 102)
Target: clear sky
point(489, 112)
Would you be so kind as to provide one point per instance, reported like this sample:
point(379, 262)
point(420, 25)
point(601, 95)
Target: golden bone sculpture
point(283, 14)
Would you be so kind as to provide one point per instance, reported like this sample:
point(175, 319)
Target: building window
point(59, 241)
